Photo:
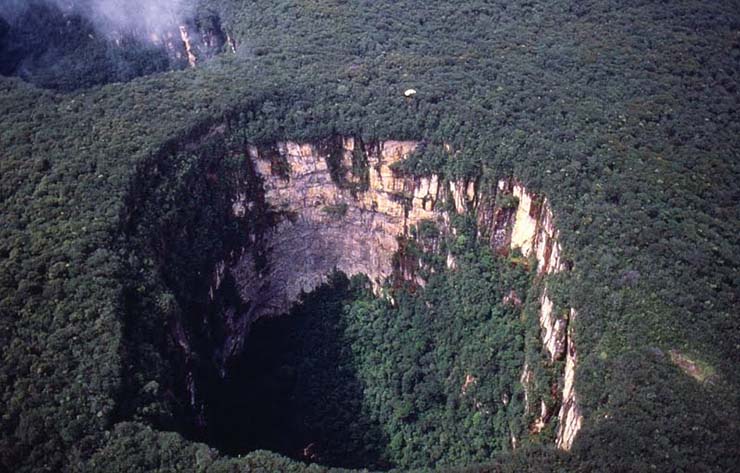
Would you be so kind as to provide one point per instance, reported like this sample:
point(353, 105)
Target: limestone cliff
point(570, 414)
point(188, 45)
point(192, 42)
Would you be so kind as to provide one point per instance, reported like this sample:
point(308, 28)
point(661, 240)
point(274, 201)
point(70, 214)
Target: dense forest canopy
point(624, 114)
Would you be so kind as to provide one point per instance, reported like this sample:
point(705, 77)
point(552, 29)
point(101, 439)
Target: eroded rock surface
point(329, 226)
point(344, 206)
point(533, 231)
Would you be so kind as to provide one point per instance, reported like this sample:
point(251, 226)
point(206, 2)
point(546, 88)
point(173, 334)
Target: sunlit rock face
point(570, 414)
point(553, 329)
point(340, 218)
point(349, 222)
point(191, 42)
point(530, 227)
point(194, 42)
point(344, 206)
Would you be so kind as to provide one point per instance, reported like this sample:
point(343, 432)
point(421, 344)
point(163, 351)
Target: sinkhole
point(421, 369)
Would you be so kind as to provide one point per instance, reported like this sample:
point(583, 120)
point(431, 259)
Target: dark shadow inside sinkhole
point(294, 389)
point(344, 379)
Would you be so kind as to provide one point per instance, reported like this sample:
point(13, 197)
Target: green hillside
point(624, 114)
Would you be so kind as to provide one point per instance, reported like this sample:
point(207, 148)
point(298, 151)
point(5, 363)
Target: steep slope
point(341, 204)
point(69, 46)
point(622, 115)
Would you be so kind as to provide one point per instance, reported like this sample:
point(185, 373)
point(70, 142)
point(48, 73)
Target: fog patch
point(114, 18)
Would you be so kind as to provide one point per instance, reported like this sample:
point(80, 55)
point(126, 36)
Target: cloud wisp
point(115, 18)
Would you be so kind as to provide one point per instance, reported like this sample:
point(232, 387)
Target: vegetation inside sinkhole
point(624, 114)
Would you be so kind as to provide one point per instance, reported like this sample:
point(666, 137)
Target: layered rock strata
point(344, 207)
point(328, 225)
point(529, 226)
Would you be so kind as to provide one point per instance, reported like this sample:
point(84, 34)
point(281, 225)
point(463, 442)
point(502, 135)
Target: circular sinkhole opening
point(420, 371)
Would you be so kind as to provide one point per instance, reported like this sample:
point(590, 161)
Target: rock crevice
point(529, 227)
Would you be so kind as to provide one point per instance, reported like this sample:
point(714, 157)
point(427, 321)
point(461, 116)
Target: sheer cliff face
point(339, 218)
point(343, 207)
point(570, 414)
point(192, 43)
point(530, 227)
point(327, 225)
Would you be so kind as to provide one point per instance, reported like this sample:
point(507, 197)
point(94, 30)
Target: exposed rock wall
point(570, 414)
point(553, 328)
point(192, 43)
point(532, 230)
point(188, 45)
point(328, 225)
point(344, 207)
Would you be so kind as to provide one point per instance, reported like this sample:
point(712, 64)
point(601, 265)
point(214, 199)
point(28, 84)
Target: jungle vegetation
point(624, 114)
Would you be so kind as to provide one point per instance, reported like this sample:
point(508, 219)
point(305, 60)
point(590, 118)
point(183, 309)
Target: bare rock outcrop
point(344, 206)
point(531, 229)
